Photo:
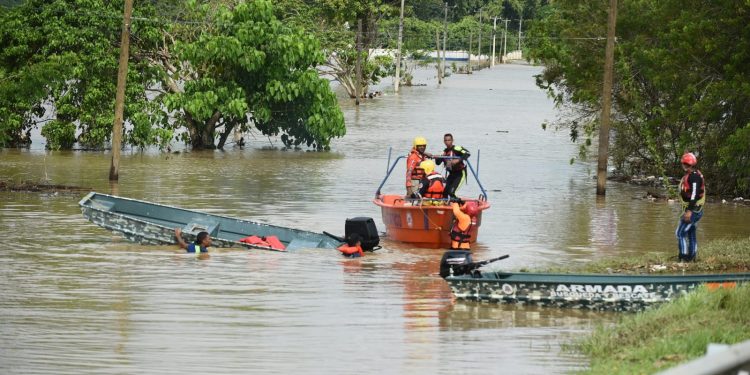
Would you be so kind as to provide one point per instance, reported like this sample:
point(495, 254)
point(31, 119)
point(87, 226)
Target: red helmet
point(471, 208)
point(689, 159)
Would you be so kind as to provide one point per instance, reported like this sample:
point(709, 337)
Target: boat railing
point(391, 166)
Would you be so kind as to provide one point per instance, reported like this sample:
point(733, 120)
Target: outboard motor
point(365, 227)
point(454, 262)
point(459, 262)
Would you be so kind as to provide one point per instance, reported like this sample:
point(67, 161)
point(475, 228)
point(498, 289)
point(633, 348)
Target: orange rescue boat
point(424, 222)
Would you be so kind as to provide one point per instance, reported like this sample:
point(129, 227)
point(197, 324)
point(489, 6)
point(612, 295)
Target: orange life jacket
point(436, 186)
point(350, 250)
point(459, 235)
point(265, 241)
point(413, 172)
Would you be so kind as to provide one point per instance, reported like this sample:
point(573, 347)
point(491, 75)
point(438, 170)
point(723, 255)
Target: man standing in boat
point(454, 165)
point(202, 242)
point(414, 174)
point(693, 197)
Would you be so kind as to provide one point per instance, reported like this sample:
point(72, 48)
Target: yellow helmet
point(428, 166)
point(420, 141)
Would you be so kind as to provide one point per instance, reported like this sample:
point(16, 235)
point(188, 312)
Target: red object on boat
point(421, 223)
point(272, 242)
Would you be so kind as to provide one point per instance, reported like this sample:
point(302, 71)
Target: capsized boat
point(424, 222)
point(586, 291)
point(152, 223)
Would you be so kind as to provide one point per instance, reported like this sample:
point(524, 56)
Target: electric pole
point(480, 38)
point(398, 52)
point(609, 59)
point(358, 69)
point(471, 43)
point(445, 36)
point(520, 22)
point(505, 38)
point(494, 32)
point(122, 75)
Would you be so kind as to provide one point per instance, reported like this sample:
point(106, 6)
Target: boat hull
point(426, 226)
point(595, 292)
point(151, 223)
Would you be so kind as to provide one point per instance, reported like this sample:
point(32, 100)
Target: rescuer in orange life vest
point(432, 185)
point(465, 215)
point(693, 197)
point(353, 246)
point(414, 174)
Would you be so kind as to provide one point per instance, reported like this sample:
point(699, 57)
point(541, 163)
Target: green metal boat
point(586, 291)
point(151, 223)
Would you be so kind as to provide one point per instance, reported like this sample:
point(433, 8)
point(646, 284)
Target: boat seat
point(197, 226)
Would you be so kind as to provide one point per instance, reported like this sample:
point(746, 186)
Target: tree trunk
point(228, 127)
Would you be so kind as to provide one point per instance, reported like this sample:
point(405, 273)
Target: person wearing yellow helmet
point(433, 183)
point(414, 174)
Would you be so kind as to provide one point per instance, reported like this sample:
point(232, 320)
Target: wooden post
point(609, 59)
point(398, 52)
point(358, 72)
point(122, 75)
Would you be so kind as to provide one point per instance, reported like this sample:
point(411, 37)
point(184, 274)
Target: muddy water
point(77, 299)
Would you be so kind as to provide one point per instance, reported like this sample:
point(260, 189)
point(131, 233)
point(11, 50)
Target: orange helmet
point(471, 208)
point(689, 159)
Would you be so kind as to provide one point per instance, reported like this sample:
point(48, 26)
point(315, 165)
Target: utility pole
point(445, 36)
point(609, 60)
point(494, 32)
point(437, 48)
point(471, 36)
point(520, 22)
point(122, 75)
point(358, 68)
point(480, 38)
point(505, 38)
point(398, 52)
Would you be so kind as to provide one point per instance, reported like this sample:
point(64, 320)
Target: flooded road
point(80, 300)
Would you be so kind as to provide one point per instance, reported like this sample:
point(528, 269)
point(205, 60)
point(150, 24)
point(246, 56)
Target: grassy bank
point(723, 256)
point(674, 333)
point(677, 332)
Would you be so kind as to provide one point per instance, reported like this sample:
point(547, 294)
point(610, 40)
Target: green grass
point(718, 256)
point(677, 332)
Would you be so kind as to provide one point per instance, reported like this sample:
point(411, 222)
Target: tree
point(677, 87)
point(246, 68)
point(208, 68)
point(58, 69)
point(334, 23)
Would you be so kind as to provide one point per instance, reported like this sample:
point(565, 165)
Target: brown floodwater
point(79, 300)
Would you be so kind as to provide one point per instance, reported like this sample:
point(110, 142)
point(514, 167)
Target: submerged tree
point(58, 68)
point(206, 68)
point(245, 68)
point(678, 87)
